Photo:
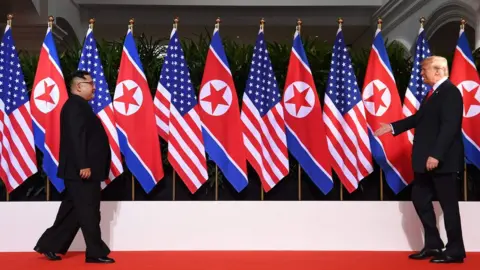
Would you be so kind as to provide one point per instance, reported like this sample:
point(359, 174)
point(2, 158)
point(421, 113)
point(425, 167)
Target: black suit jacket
point(83, 141)
point(438, 130)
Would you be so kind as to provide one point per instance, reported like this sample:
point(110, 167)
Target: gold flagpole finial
point(262, 23)
point(379, 23)
point(91, 22)
point(422, 21)
point(175, 22)
point(463, 22)
point(9, 19)
point(130, 24)
point(50, 21)
point(299, 24)
point(217, 23)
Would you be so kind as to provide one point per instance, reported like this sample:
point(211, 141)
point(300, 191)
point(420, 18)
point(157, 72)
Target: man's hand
point(384, 128)
point(432, 163)
point(85, 173)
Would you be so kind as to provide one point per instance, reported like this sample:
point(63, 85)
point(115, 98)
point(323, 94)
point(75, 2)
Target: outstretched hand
point(384, 128)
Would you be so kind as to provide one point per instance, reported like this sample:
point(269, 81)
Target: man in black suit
point(437, 157)
point(84, 162)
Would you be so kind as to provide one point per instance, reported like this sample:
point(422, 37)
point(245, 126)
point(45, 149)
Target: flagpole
point(262, 193)
point(9, 23)
point(216, 182)
point(298, 29)
point(381, 185)
point(47, 184)
point(465, 185)
point(130, 27)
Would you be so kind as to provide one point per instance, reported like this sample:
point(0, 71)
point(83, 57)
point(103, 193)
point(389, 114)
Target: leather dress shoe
point(425, 254)
point(444, 258)
point(48, 254)
point(99, 260)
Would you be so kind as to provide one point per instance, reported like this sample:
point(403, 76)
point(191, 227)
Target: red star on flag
point(46, 96)
point(216, 97)
point(469, 99)
point(127, 97)
point(299, 99)
point(376, 98)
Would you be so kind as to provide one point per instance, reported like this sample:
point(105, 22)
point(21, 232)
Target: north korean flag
point(220, 114)
point(305, 129)
point(48, 95)
point(381, 99)
point(133, 107)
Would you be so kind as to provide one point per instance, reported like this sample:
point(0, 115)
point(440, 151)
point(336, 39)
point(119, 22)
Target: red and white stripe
point(162, 110)
point(108, 120)
point(266, 142)
point(18, 159)
point(348, 142)
point(186, 151)
point(410, 107)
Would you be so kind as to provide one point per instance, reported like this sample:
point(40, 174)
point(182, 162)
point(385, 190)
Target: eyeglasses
point(90, 82)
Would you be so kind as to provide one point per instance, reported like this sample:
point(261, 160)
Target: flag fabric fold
point(305, 129)
point(220, 116)
point(175, 95)
point(345, 120)
point(416, 89)
point(263, 119)
point(48, 96)
point(18, 159)
point(381, 99)
point(465, 76)
point(135, 119)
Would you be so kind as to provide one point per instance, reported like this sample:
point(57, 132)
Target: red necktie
point(429, 94)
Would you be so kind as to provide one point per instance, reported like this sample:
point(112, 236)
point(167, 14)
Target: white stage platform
point(241, 225)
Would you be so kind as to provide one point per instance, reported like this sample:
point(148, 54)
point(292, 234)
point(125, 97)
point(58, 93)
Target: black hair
point(78, 74)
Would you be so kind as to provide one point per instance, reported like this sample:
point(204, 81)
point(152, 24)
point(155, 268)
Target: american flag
point(186, 150)
point(344, 117)
point(416, 89)
point(18, 159)
point(102, 102)
point(263, 120)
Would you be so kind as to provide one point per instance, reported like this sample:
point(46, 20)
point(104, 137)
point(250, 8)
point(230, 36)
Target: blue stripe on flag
point(217, 46)
point(316, 174)
point(379, 44)
point(130, 46)
point(49, 166)
point(231, 172)
point(52, 49)
point(134, 164)
point(471, 153)
point(298, 47)
point(393, 179)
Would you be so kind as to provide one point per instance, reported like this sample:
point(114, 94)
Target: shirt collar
point(436, 85)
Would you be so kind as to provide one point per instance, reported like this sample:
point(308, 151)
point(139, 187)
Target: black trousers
point(80, 209)
point(445, 187)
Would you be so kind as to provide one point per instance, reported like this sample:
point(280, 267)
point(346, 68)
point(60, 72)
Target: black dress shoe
point(446, 259)
point(99, 260)
point(425, 254)
point(48, 254)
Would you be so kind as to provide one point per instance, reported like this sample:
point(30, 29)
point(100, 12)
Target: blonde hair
point(437, 62)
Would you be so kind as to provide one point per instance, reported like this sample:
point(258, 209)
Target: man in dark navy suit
point(83, 164)
point(437, 158)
